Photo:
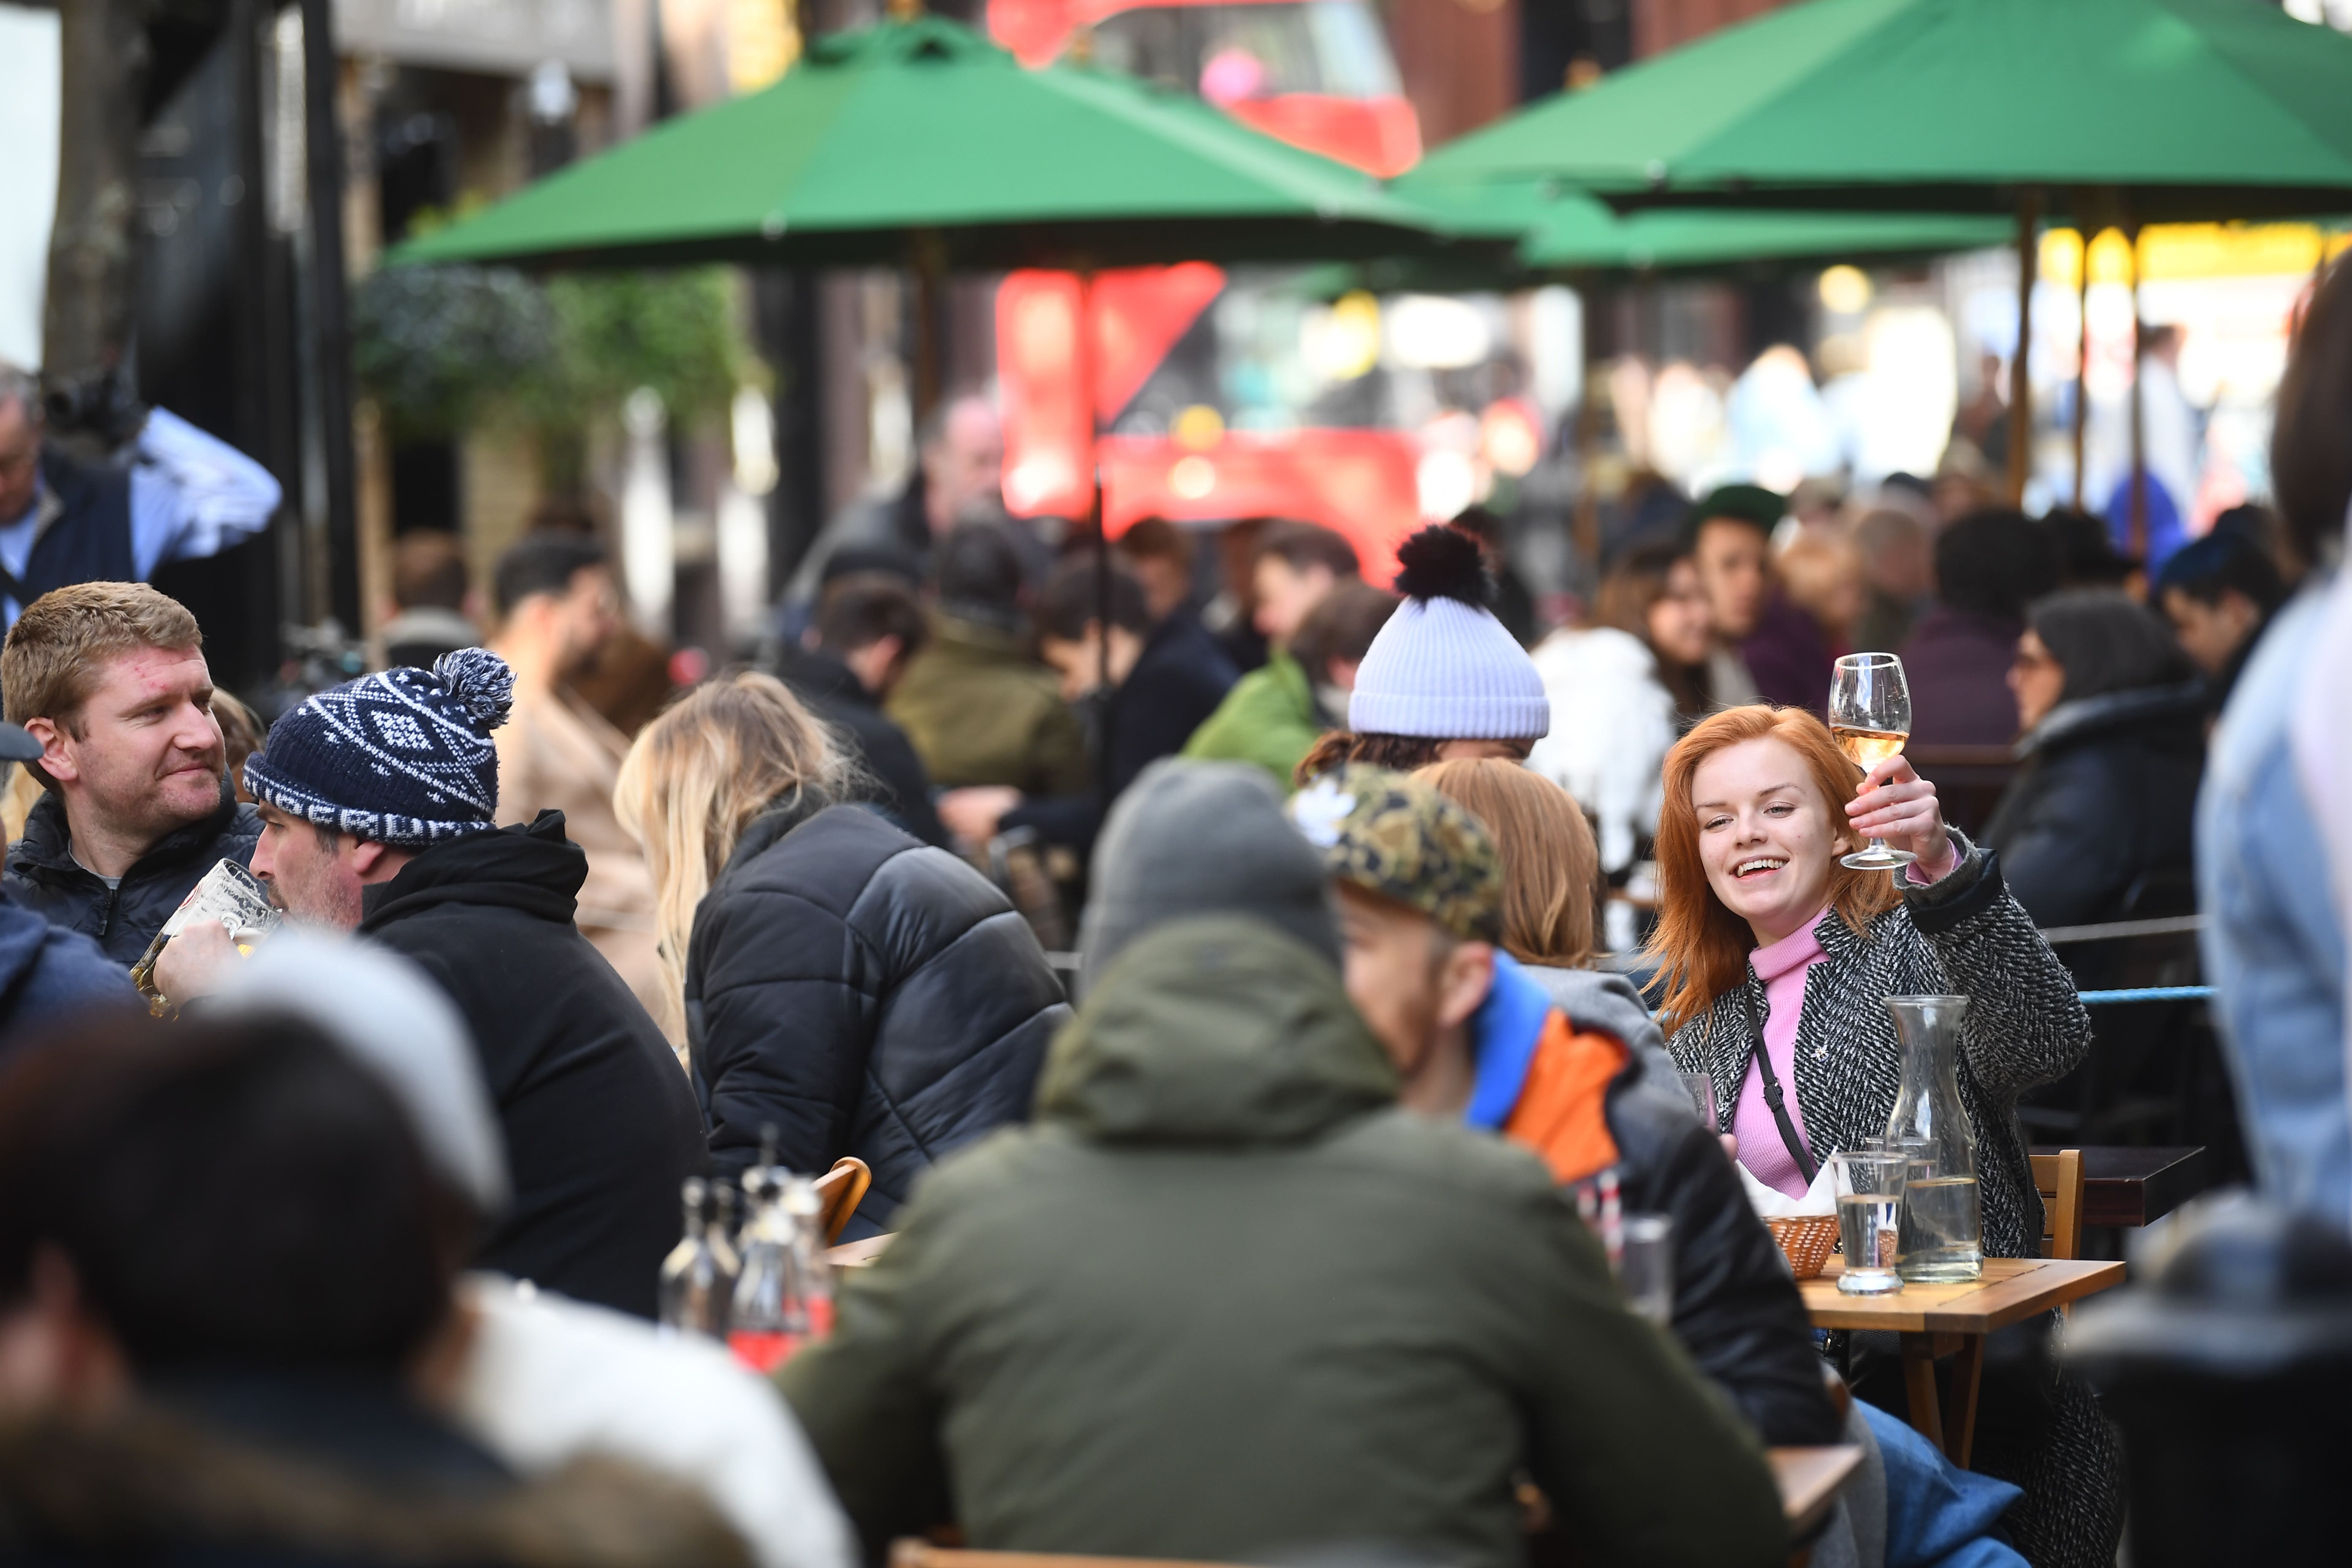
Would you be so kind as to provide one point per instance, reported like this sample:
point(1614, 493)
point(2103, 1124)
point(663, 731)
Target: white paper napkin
point(1770, 1203)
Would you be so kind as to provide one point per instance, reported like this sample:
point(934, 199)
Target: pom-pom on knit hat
point(1444, 667)
point(403, 757)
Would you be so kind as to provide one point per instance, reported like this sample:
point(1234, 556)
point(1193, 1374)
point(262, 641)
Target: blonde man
point(110, 678)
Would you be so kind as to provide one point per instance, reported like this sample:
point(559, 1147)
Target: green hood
point(1215, 1029)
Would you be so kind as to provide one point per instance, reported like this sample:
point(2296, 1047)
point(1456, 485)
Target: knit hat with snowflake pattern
point(403, 757)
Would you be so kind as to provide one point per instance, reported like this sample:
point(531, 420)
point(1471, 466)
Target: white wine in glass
point(1870, 715)
point(1868, 748)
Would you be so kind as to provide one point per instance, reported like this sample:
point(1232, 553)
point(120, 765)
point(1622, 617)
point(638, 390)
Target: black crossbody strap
point(1772, 1095)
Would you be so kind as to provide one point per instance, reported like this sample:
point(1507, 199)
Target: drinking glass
point(1869, 1198)
point(1645, 1266)
point(1701, 1086)
point(1870, 714)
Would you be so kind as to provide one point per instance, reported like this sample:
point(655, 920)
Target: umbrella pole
point(1086, 379)
point(2083, 347)
point(2138, 528)
point(1585, 523)
point(930, 265)
point(2021, 380)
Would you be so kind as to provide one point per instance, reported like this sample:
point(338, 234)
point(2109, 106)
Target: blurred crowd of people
point(2059, 695)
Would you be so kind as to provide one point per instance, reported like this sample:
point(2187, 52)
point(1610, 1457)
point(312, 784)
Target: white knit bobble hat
point(1444, 667)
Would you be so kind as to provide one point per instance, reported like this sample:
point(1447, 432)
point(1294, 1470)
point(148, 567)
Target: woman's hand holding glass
point(1900, 806)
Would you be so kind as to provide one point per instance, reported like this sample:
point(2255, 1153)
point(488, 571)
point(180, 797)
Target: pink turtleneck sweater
point(1781, 967)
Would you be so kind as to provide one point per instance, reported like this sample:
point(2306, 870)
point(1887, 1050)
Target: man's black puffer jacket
point(1736, 1311)
point(44, 877)
point(865, 995)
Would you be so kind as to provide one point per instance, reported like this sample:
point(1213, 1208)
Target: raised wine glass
point(1870, 714)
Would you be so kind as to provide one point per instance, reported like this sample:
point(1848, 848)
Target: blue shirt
point(192, 495)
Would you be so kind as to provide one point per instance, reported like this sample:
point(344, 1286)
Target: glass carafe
point(1941, 1225)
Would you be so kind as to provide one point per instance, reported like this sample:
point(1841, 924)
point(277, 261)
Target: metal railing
point(1066, 964)
point(2115, 931)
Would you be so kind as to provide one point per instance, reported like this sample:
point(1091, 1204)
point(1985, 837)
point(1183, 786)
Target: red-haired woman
point(1774, 954)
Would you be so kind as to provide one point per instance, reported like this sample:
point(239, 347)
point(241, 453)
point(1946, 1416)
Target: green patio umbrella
point(1569, 233)
point(2131, 110)
point(1586, 233)
point(2196, 109)
point(916, 142)
point(920, 143)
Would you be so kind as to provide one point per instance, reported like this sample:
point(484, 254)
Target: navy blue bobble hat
point(403, 757)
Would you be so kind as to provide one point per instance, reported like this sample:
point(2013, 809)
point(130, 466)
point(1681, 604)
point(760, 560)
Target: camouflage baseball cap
point(1396, 837)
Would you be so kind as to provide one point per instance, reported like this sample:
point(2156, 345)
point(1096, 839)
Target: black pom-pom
point(1442, 562)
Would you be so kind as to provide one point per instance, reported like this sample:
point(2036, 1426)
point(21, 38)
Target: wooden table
point(857, 1254)
point(1953, 1319)
point(2132, 1186)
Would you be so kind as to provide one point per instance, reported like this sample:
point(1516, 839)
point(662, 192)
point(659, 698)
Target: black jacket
point(1736, 1311)
point(836, 695)
point(864, 993)
point(44, 877)
point(600, 1124)
point(2107, 796)
point(1177, 682)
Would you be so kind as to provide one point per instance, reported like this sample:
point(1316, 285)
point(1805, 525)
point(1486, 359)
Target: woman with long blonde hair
point(1776, 961)
point(844, 984)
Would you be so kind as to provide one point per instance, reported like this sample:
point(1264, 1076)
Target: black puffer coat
point(864, 994)
point(44, 877)
point(2106, 795)
point(1736, 1311)
point(599, 1125)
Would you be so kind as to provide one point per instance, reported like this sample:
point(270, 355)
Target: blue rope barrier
point(2150, 994)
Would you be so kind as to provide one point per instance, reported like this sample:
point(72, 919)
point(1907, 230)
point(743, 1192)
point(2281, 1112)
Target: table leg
point(1919, 1383)
point(1960, 1422)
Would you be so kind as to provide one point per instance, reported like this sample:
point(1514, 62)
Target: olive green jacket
point(979, 711)
point(1225, 1301)
point(1268, 718)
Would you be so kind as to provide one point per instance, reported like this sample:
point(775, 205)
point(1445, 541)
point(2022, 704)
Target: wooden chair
point(1809, 1480)
point(841, 1190)
point(909, 1552)
point(2060, 1178)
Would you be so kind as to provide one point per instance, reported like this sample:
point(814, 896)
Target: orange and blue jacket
point(1541, 1081)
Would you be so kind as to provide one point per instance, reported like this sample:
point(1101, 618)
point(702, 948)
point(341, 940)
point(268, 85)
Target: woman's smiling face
point(1765, 835)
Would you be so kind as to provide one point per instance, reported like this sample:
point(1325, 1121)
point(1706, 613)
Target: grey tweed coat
point(1965, 936)
point(2025, 1025)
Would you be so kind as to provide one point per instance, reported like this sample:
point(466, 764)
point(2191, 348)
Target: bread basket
point(1806, 1240)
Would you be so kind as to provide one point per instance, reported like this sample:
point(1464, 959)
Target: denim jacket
point(2273, 943)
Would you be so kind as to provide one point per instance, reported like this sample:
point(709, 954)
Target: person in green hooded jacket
point(1226, 1300)
point(1275, 714)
